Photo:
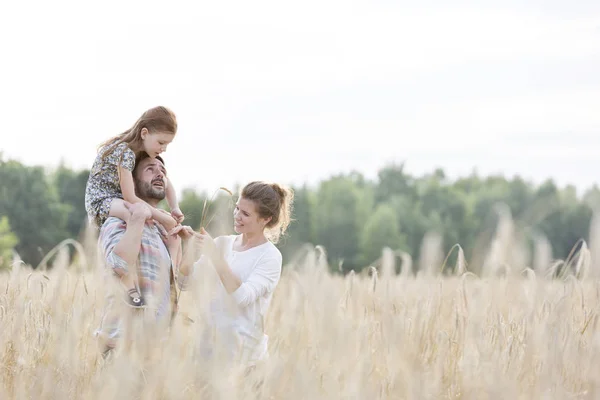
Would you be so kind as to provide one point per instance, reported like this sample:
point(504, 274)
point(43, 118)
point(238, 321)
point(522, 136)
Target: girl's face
point(155, 143)
point(246, 218)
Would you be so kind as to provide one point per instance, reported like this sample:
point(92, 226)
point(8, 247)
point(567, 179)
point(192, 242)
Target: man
point(143, 248)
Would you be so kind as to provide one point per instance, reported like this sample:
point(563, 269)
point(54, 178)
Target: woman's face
point(246, 218)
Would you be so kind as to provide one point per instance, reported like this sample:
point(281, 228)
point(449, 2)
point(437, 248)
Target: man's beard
point(145, 190)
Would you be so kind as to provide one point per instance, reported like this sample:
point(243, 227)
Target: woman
point(249, 267)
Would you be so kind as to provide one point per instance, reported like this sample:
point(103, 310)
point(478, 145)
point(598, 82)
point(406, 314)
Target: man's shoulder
point(111, 226)
point(111, 222)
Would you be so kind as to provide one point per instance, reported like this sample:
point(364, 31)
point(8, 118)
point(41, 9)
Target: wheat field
point(377, 335)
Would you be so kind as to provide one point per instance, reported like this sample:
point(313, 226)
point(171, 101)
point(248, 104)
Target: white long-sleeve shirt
point(239, 317)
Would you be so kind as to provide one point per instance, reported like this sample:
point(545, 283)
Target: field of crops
point(373, 335)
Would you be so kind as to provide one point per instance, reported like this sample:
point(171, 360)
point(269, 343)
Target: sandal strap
point(136, 297)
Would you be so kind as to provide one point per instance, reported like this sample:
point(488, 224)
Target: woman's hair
point(157, 119)
point(274, 201)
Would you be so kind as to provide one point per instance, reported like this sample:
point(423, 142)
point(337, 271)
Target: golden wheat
point(378, 335)
point(330, 337)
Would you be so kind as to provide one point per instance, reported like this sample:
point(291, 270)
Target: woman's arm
point(230, 281)
point(263, 278)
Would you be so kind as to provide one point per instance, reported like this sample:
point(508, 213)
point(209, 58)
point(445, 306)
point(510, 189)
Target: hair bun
point(274, 201)
point(279, 190)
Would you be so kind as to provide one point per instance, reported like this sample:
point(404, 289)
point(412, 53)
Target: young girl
point(110, 183)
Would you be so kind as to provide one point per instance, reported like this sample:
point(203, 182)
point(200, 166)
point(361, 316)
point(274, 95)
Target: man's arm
point(123, 249)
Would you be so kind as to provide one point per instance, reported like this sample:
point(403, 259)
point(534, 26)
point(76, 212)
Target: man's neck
point(152, 202)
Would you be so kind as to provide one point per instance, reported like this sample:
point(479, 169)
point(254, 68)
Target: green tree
point(70, 186)
point(412, 222)
point(342, 209)
point(592, 198)
point(8, 241)
point(217, 216)
point(37, 216)
point(301, 229)
point(393, 181)
point(351, 216)
point(381, 230)
point(446, 207)
point(191, 204)
point(567, 221)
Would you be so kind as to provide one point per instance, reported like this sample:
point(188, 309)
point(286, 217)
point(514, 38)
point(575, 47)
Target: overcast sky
point(297, 91)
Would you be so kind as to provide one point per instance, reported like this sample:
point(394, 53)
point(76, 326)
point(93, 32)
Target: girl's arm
point(171, 196)
point(173, 204)
point(127, 186)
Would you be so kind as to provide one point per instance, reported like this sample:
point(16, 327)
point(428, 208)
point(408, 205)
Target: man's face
point(150, 179)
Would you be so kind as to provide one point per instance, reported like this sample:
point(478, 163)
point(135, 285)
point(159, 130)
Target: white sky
point(297, 91)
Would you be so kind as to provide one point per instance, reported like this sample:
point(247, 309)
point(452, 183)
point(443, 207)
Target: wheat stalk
point(206, 206)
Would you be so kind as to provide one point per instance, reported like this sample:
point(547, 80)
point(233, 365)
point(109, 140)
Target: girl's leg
point(129, 280)
point(118, 209)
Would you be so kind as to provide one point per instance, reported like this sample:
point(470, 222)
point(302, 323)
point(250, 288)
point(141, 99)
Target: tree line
point(352, 217)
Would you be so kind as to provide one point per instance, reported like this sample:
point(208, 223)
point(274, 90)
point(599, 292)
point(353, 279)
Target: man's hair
point(142, 156)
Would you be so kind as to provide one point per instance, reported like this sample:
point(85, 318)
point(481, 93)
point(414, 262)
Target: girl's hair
point(157, 119)
point(272, 200)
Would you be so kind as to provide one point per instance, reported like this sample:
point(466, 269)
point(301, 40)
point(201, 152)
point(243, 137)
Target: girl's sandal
point(134, 299)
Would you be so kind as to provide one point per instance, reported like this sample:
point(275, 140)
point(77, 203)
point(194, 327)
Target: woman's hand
point(207, 244)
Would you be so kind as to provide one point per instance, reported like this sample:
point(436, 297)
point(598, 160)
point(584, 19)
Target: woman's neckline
point(249, 249)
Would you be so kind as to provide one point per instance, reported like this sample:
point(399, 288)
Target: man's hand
point(201, 241)
point(173, 237)
point(140, 211)
point(184, 231)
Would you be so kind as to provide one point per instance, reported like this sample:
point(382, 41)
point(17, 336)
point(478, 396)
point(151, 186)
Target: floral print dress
point(103, 183)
